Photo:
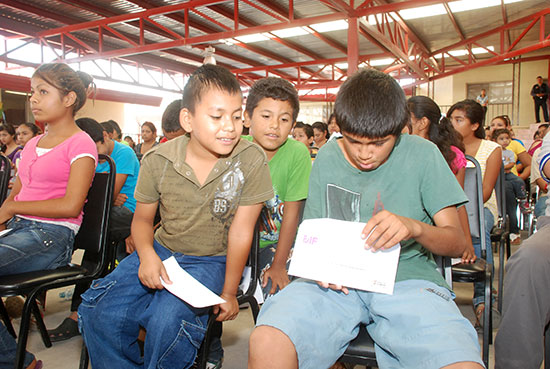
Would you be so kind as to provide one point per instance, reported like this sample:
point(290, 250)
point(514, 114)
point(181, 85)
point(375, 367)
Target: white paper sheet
point(330, 250)
point(188, 288)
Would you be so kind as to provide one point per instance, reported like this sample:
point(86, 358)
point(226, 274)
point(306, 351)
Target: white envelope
point(333, 251)
point(188, 288)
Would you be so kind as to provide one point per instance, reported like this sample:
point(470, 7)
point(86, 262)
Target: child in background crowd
point(209, 186)
point(309, 324)
point(521, 169)
point(332, 125)
point(303, 132)
point(320, 134)
point(44, 208)
point(10, 148)
point(130, 141)
point(171, 127)
point(502, 137)
point(271, 110)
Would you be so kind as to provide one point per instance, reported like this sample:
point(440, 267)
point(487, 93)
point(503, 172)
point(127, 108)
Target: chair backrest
point(253, 262)
point(92, 236)
point(444, 267)
point(474, 207)
point(5, 174)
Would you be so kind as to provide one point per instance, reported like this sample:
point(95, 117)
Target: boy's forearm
point(237, 254)
point(446, 238)
point(239, 240)
point(143, 234)
point(289, 226)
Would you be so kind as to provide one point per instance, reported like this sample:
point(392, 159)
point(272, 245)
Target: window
point(498, 92)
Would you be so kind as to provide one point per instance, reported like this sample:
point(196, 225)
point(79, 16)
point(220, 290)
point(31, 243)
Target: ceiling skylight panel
point(330, 26)
point(290, 32)
point(255, 37)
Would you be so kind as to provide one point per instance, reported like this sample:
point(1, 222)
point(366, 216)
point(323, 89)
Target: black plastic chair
point(245, 297)
point(480, 271)
point(92, 238)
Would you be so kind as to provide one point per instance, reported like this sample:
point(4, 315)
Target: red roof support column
point(353, 45)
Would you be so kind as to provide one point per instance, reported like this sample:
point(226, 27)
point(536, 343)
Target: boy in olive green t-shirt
point(209, 186)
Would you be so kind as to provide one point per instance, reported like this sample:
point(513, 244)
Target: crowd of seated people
point(209, 183)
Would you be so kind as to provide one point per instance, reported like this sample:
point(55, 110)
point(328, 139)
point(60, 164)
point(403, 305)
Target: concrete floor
point(65, 355)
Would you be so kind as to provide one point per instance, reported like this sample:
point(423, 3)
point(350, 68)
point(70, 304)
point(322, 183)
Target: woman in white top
point(466, 117)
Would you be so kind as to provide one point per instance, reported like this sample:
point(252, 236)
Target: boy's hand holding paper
point(333, 251)
point(188, 288)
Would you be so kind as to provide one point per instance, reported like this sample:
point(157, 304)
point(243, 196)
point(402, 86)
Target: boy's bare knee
point(271, 348)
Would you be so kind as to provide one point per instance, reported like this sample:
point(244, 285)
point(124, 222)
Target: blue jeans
point(115, 307)
point(8, 347)
point(33, 245)
point(479, 292)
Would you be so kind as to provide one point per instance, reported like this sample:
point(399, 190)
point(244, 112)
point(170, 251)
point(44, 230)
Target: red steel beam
point(494, 60)
point(458, 29)
point(491, 32)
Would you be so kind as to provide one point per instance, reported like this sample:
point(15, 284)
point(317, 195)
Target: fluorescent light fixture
point(406, 81)
point(439, 9)
point(290, 32)
point(379, 62)
point(463, 52)
point(330, 26)
point(465, 5)
point(255, 37)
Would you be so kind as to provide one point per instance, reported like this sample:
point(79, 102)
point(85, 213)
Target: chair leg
point(23, 333)
point(547, 347)
point(6, 319)
point(41, 325)
point(84, 358)
point(500, 273)
point(487, 316)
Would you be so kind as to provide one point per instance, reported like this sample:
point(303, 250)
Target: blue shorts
point(419, 326)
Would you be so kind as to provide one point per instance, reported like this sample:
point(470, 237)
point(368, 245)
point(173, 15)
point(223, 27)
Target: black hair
point(171, 117)
point(500, 131)
point(544, 125)
point(116, 127)
point(308, 130)
point(151, 126)
point(323, 127)
point(440, 131)
point(65, 79)
point(504, 118)
point(205, 77)
point(92, 128)
point(11, 131)
point(539, 77)
point(108, 127)
point(371, 104)
point(274, 88)
point(33, 127)
point(8, 128)
point(473, 111)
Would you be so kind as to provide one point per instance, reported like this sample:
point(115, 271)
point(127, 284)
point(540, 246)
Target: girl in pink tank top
point(44, 209)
